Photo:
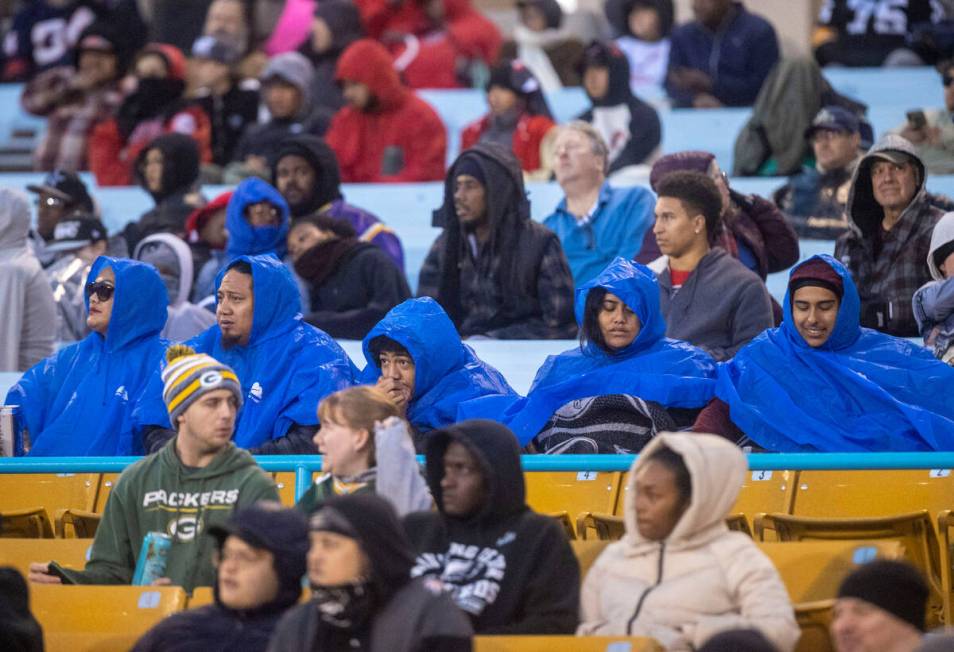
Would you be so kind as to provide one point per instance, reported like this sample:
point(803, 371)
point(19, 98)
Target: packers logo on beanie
point(190, 375)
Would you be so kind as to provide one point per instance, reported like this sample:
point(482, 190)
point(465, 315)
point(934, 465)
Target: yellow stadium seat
point(872, 493)
point(106, 484)
point(28, 502)
point(813, 570)
point(914, 531)
point(76, 524)
point(285, 480)
point(201, 596)
point(572, 492)
point(586, 553)
point(101, 618)
point(945, 522)
point(609, 527)
point(566, 523)
point(19, 553)
point(564, 644)
point(814, 619)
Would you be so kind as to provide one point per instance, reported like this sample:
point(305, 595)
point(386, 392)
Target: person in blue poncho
point(821, 382)
point(623, 384)
point(285, 366)
point(81, 400)
point(416, 356)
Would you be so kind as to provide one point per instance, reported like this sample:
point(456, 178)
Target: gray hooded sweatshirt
point(28, 327)
point(934, 302)
point(888, 275)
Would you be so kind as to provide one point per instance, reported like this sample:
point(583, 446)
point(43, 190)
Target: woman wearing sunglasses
point(81, 400)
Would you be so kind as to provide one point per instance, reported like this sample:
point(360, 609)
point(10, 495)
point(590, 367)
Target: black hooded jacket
point(344, 21)
point(518, 286)
point(19, 630)
point(322, 160)
point(630, 127)
point(180, 177)
point(510, 568)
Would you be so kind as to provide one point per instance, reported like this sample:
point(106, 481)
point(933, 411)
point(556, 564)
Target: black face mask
point(344, 607)
point(152, 97)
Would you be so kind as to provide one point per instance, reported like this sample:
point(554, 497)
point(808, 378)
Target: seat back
point(76, 524)
point(766, 492)
point(100, 618)
point(19, 553)
point(813, 570)
point(606, 527)
point(33, 523)
point(565, 644)
point(586, 553)
point(835, 494)
point(285, 481)
point(106, 483)
point(201, 596)
point(572, 492)
point(41, 495)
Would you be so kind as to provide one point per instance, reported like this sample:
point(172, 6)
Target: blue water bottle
point(153, 555)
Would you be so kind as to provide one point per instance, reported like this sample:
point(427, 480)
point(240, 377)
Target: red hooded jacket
point(400, 138)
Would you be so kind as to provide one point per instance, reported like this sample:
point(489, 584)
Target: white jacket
point(700, 581)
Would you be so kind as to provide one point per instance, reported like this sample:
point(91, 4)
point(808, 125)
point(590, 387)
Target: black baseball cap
point(75, 232)
point(66, 186)
point(834, 118)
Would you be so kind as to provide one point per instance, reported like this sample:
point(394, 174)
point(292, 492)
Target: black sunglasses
point(102, 289)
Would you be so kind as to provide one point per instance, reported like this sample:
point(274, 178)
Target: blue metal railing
point(304, 466)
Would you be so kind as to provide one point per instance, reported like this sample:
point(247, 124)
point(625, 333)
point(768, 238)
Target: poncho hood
point(245, 239)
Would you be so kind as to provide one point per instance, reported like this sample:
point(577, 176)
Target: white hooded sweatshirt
point(28, 326)
point(703, 579)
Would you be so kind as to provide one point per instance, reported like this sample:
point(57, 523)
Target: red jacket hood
point(366, 61)
point(197, 218)
point(173, 56)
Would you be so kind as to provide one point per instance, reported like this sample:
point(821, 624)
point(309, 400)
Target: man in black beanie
point(260, 561)
point(881, 607)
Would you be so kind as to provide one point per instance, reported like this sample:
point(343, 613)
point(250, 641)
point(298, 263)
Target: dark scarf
point(153, 97)
point(317, 264)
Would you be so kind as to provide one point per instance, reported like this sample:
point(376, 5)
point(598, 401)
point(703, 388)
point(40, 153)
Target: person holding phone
point(931, 131)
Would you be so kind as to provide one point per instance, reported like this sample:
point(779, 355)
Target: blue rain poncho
point(286, 368)
point(80, 401)
point(245, 239)
point(653, 367)
point(860, 391)
point(447, 372)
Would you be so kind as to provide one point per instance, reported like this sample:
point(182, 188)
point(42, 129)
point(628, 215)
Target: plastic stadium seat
point(106, 484)
point(19, 553)
point(76, 524)
point(285, 480)
point(813, 570)
point(872, 493)
point(101, 618)
point(913, 530)
point(945, 521)
point(565, 644)
point(814, 619)
point(572, 492)
point(610, 527)
point(566, 523)
point(586, 553)
point(28, 502)
point(766, 492)
point(201, 596)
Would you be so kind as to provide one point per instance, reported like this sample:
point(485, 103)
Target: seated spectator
point(385, 133)
point(155, 107)
point(752, 230)
point(626, 381)
point(595, 221)
point(287, 366)
point(231, 104)
point(934, 302)
point(881, 606)
point(77, 241)
point(365, 448)
point(171, 257)
point(335, 26)
point(644, 28)
point(629, 126)
point(233, 20)
point(814, 199)
point(76, 96)
point(205, 232)
point(286, 91)
point(362, 593)
point(306, 173)
point(61, 194)
point(708, 298)
point(890, 235)
point(519, 118)
point(167, 169)
point(721, 58)
point(415, 356)
point(256, 220)
point(507, 567)
point(80, 401)
point(199, 465)
point(778, 388)
point(43, 33)
point(931, 131)
point(351, 284)
point(28, 327)
point(495, 271)
point(679, 492)
point(550, 50)
point(19, 629)
point(259, 560)
point(867, 34)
